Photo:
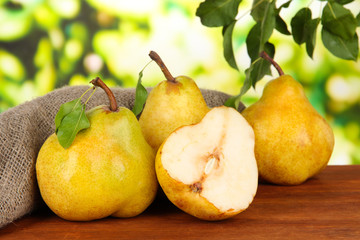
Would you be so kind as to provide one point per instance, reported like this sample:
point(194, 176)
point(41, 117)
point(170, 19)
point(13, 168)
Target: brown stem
point(265, 56)
point(97, 82)
point(154, 56)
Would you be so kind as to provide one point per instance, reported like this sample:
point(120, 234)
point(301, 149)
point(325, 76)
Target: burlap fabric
point(23, 130)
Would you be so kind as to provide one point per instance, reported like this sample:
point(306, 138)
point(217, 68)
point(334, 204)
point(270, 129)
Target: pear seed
point(210, 165)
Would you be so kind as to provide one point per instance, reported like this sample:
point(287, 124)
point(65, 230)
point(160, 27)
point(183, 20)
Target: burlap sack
point(23, 130)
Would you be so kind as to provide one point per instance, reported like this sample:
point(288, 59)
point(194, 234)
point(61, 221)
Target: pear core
point(215, 159)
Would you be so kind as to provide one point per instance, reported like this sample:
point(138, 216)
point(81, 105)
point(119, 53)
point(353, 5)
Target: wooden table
point(325, 207)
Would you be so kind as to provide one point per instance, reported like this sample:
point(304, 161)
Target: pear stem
point(97, 82)
point(265, 56)
point(154, 56)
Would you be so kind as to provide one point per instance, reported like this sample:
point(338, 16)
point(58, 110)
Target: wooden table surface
point(325, 207)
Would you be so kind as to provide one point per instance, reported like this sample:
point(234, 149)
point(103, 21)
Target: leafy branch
point(338, 32)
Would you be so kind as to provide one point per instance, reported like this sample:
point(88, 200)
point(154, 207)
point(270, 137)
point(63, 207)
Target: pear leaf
point(311, 27)
point(304, 29)
point(253, 42)
point(71, 124)
point(228, 46)
point(257, 70)
point(258, 8)
point(217, 13)
point(254, 73)
point(342, 2)
point(298, 23)
point(281, 26)
point(70, 119)
point(268, 23)
point(259, 67)
point(230, 102)
point(64, 110)
point(339, 20)
point(284, 5)
point(233, 101)
point(343, 48)
point(264, 12)
point(140, 95)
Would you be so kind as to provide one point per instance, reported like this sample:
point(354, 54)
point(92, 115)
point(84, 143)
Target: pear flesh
point(293, 141)
point(108, 170)
point(209, 169)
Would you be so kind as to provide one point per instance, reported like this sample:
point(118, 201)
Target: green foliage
point(342, 48)
point(304, 29)
point(338, 31)
point(140, 95)
point(228, 46)
point(280, 24)
point(71, 122)
point(218, 13)
point(339, 21)
point(71, 119)
point(64, 110)
point(221, 13)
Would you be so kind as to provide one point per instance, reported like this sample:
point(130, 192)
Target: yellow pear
point(173, 103)
point(107, 171)
point(293, 142)
point(209, 169)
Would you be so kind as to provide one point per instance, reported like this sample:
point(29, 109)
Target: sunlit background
point(47, 44)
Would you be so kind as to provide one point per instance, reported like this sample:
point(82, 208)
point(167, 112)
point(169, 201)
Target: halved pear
point(209, 169)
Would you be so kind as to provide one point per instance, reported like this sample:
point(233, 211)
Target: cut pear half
point(209, 169)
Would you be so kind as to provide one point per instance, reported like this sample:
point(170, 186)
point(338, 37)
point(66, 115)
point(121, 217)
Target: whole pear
point(293, 142)
point(173, 103)
point(107, 170)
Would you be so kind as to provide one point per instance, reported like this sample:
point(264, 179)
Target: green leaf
point(298, 23)
point(228, 46)
point(230, 102)
point(339, 20)
point(342, 2)
point(267, 23)
point(257, 70)
point(64, 110)
point(140, 95)
point(233, 101)
point(358, 19)
point(281, 26)
point(258, 9)
point(285, 5)
point(304, 29)
point(71, 124)
point(311, 27)
point(253, 42)
point(343, 48)
point(217, 13)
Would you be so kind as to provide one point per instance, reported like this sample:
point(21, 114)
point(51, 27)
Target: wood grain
point(325, 207)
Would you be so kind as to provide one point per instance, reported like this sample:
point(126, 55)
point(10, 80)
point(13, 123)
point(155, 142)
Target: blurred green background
point(47, 44)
